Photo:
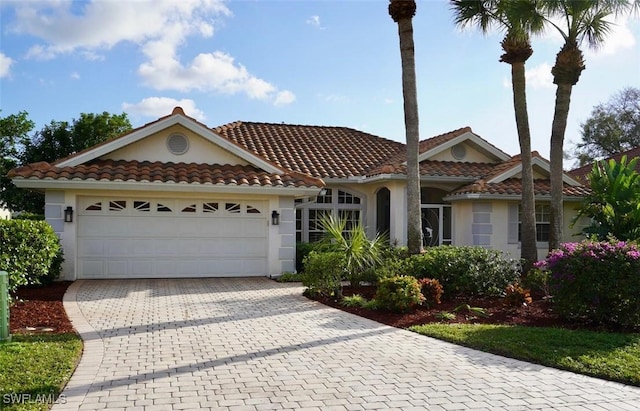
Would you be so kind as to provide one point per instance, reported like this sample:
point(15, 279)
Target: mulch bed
point(537, 314)
point(40, 310)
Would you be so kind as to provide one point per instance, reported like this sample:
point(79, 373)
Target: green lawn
point(34, 369)
point(611, 356)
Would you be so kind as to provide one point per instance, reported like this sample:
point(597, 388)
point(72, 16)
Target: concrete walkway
point(254, 344)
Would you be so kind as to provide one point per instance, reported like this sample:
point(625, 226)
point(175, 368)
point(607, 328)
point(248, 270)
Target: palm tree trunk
point(529, 250)
point(556, 156)
point(403, 16)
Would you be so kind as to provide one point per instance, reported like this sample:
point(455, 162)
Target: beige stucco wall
point(496, 229)
point(154, 148)
point(472, 155)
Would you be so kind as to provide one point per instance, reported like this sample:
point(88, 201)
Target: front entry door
point(436, 225)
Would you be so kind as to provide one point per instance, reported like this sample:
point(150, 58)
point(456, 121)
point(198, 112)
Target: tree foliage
point(612, 128)
point(614, 203)
point(54, 141)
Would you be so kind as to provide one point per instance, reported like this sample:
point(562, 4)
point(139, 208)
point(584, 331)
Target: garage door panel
point(130, 243)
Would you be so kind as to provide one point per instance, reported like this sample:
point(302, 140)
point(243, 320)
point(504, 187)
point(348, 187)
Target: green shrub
point(303, 249)
point(30, 252)
point(598, 281)
point(29, 216)
point(399, 293)
point(537, 280)
point(289, 277)
point(431, 291)
point(466, 270)
point(323, 272)
point(393, 266)
point(355, 300)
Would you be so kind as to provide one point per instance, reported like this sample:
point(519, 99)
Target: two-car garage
point(138, 237)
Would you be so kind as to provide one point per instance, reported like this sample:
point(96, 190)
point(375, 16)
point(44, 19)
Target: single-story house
point(175, 198)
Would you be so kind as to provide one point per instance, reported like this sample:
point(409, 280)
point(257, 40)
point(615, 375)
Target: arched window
point(335, 201)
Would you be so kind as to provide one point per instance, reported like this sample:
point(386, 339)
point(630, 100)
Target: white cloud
point(162, 106)
point(284, 97)
point(539, 76)
point(159, 28)
point(216, 72)
point(5, 65)
point(75, 75)
point(315, 22)
point(103, 24)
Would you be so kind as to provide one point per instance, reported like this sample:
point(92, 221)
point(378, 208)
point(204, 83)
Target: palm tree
point(402, 12)
point(577, 21)
point(518, 19)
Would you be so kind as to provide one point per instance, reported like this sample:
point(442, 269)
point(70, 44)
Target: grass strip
point(610, 356)
point(35, 368)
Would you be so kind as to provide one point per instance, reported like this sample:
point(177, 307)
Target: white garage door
point(164, 238)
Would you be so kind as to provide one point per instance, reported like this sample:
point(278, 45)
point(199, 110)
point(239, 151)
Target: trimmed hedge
point(598, 281)
point(30, 252)
point(465, 270)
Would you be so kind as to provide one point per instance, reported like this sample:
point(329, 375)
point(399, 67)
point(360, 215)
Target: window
point(95, 206)
point(543, 223)
point(339, 203)
point(161, 208)
point(209, 207)
point(326, 198)
point(141, 206)
point(232, 208)
point(315, 226)
point(119, 205)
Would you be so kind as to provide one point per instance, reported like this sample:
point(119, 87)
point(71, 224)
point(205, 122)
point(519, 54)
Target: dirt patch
point(40, 310)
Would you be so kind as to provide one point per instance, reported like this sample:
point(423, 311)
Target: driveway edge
point(77, 388)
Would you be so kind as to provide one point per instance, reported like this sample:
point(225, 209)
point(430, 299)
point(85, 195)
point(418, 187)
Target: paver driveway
point(255, 344)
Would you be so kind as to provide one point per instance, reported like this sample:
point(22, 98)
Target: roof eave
point(518, 197)
point(64, 184)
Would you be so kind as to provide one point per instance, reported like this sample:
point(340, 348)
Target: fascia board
point(477, 140)
point(159, 186)
point(505, 197)
point(535, 161)
point(166, 123)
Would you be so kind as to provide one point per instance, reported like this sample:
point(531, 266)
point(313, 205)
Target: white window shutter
point(512, 236)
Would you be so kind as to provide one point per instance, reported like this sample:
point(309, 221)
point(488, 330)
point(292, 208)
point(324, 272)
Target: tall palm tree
point(577, 21)
point(402, 12)
point(518, 19)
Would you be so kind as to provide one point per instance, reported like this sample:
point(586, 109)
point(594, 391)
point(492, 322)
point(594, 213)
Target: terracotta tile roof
point(580, 174)
point(505, 166)
point(318, 151)
point(513, 186)
point(192, 173)
point(430, 168)
point(433, 142)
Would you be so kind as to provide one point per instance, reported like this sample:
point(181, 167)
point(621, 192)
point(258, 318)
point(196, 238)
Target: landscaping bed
point(538, 313)
point(40, 310)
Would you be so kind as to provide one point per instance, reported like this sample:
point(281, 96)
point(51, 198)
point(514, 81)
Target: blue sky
point(332, 63)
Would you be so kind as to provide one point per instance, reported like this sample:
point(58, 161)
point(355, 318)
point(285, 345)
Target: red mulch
point(40, 310)
point(537, 314)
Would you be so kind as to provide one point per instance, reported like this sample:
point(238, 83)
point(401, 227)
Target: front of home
point(175, 198)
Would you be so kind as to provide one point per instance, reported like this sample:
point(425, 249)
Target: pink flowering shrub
point(596, 281)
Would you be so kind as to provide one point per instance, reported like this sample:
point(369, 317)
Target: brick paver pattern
point(254, 344)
